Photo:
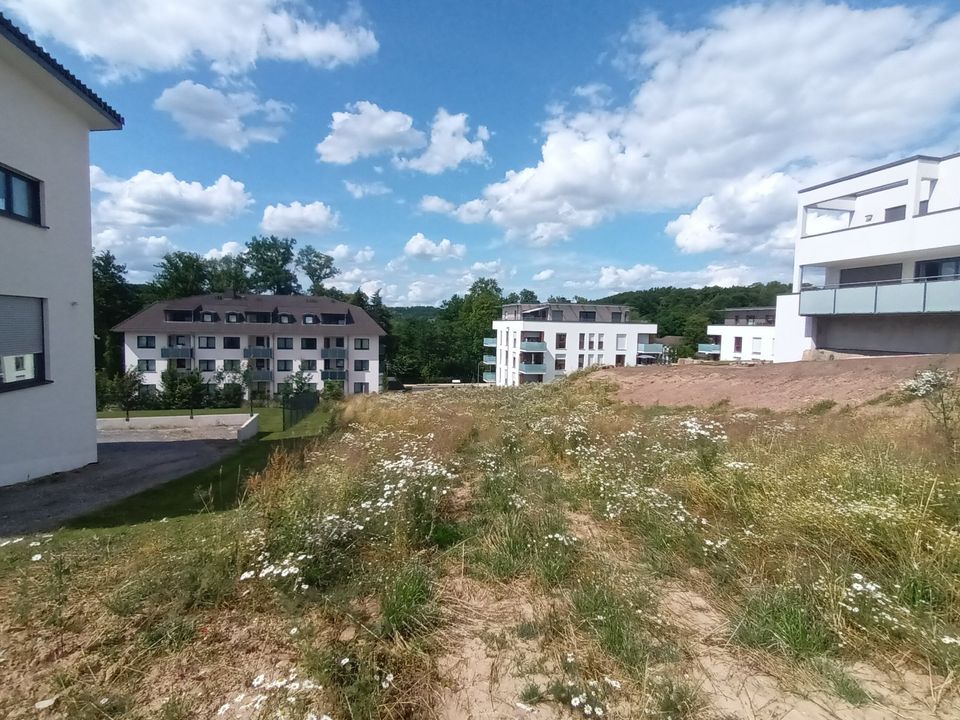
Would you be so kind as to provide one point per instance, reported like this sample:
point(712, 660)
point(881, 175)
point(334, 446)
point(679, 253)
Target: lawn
point(176, 411)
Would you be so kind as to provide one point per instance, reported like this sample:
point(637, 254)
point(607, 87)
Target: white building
point(746, 335)
point(877, 263)
point(537, 343)
point(47, 395)
point(277, 335)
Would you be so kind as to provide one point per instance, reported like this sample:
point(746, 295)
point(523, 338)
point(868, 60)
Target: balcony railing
point(489, 377)
point(490, 342)
point(489, 359)
point(176, 353)
point(258, 353)
point(708, 348)
point(650, 348)
point(924, 295)
point(533, 368)
point(533, 346)
point(333, 353)
point(333, 374)
point(261, 376)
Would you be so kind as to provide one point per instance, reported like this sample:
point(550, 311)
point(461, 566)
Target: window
point(361, 365)
point(231, 343)
point(361, 343)
point(924, 207)
point(285, 365)
point(231, 365)
point(207, 365)
point(146, 341)
point(21, 342)
point(942, 268)
point(180, 363)
point(308, 365)
point(582, 339)
point(147, 365)
point(284, 343)
point(556, 315)
point(620, 360)
point(751, 320)
point(208, 342)
point(616, 316)
point(588, 315)
point(590, 342)
point(340, 342)
point(561, 341)
point(757, 346)
point(600, 341)
point(309, 319)
point(286, 319)
point(308, 343)
point(177, 341)
point(621, 342)
point(206, 317)
point(19, 196)
point(580, 361)
point(895, 213)
point(738, 344)
point(233, 317)
point(560, 363)
point(361, 388)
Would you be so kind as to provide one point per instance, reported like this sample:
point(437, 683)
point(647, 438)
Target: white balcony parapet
point(923, 295)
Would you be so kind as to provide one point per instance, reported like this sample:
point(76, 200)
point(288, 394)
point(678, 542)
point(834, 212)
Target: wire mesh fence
point(296, 407)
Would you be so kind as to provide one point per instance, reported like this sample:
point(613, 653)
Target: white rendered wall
point(508, 351)
point(49, 428)
point(765, 334)
point(794, 332)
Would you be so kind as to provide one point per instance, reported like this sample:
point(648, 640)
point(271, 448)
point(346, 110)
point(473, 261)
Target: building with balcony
point(539, 342)
point(272, 336)
point(47, 397)
point(746, 335)
point(876, 264)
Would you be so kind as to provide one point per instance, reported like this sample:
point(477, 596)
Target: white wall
point(794, 333)
point(49, 428)
point(749, 334)
point(508, 351)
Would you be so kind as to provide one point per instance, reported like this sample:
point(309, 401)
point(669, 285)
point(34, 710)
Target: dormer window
point(233, 317)
point(309, 319)
point(206, 317)
point(286, 319)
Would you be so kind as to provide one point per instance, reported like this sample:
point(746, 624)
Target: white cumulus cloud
point(449, 145)
point(543, 275)
point(366, 129)
point(296, 218)
point(421, 247)
point(229, 248)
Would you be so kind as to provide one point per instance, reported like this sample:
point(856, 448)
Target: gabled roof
point(22, 41)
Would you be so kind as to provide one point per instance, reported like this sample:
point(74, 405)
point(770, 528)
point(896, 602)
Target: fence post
point(283, 412)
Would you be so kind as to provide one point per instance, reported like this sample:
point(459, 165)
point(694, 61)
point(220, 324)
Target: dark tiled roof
point(45, 60)
point(152, 319)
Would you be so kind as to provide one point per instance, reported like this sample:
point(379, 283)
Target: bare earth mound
point(786, 386)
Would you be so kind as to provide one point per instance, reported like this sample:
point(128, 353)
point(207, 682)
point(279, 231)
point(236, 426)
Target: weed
point(176, 708)
point(169, 634)
point(407, 601)
point(532, 694)
point(821, 407)
point(614, 624)
point(840, 681)
point(785, 621)
point(678, 700)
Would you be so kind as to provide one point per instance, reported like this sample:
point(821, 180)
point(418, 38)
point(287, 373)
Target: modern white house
point(540, 342)
point(273, 336)
point(47, 395)
point(746, 335)
point(876, 264)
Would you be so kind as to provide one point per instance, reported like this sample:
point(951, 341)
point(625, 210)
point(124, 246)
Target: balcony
point(259, 376)
point(934, 295)
point(258, 353)
point(708, 348)
point(533, 346)
point(533, 368)
point(333, 353)
point(490, 377)
point(176, 353)
point(650, 348)
point(333, 374)
point(489, 359)
point(490, 342)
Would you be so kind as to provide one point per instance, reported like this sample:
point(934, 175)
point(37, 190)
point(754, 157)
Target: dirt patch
point(783, 386)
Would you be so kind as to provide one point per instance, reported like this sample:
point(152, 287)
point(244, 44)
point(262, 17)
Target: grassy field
point(500, 553)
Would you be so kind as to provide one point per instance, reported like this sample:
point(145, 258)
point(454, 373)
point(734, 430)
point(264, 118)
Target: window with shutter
point(21, 342)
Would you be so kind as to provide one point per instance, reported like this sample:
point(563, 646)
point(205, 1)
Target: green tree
point(271, 263)
point(359, 298)
point(528, 296)
point(125, 390)
point(114, 300)
point(297, 383)
point(558, 299)
point(228, 273)
point(317, 267)
point(179, 274)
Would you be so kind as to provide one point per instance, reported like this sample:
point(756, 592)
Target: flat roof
point(912, 158)
point(21, 40)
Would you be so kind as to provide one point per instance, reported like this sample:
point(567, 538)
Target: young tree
point(114, 300)
point(271, 261)
point(359, 298)
point(297, 383)
point(125, 390)
point(179, 274)
point(317, 267)
point(228, 273)
point(558, 299)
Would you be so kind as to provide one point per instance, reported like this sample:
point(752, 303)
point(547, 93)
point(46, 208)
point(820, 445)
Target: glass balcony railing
point(175, 353)
point(490, 342)
point(261, 376)
point(333, 374)
point(489, 359)
point(490, 377)
point(650, 348)
point(333, 353)
point(258, 353)
point(708, 348)
point(533, 346)
point(924, 295)
point(533, 368)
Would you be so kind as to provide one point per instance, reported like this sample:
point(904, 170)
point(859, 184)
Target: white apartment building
point(877, 263)
point(537, 343)
point(274, 335)
point(47, 394)
point(746, 335)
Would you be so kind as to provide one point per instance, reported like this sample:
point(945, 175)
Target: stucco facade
point(746, 335)
point(49, 426)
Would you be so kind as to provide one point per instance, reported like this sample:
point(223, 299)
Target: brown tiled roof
point(152, 318)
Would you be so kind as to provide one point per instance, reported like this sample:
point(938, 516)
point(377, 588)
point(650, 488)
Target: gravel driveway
point(130, 461)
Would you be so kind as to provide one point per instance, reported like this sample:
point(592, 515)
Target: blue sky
point(569, 147)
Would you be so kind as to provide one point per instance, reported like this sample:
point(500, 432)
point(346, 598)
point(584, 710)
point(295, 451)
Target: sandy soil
point(786, 386)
